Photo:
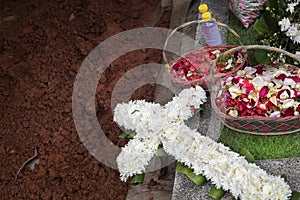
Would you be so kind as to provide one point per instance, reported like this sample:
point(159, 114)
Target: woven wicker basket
point(203, 79)
point(258, 125)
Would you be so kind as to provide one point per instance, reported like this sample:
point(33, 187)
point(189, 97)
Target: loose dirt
point(42, 45)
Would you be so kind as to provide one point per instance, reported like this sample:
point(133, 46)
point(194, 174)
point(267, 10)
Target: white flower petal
point(234, 91)
point(233, 113)
point(250, 70)
point(229, 79)
point(288, 103)
point(284, 24)
point(258, 81)
point(289, 81)
point(275, 114)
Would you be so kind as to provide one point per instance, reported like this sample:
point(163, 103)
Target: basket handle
point(250, 47)
point(196, 22)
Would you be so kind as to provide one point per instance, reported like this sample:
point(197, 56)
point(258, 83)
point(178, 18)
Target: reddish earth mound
point(42, 45)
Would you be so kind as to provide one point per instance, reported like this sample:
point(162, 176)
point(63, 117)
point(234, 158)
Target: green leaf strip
point(197, 179)
point(295, 195)
point(216, 193)
point(248, 156)
point(161, 152)
point(127, 135)
point(137, 179)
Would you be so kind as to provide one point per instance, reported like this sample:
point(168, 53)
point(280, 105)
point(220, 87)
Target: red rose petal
point(281, 76)
point(259, 69)
point(288, 112)
point(236, 80)
point(296, 79)
point(281, 91)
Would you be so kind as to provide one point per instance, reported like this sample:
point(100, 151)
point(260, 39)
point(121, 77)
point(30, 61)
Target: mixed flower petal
point(261, 91)
point(196, 65)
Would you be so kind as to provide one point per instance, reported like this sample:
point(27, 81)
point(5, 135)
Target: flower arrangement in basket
point(263, 100)
point(193, 68)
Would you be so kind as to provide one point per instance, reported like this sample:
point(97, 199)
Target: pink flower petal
point(263, 92)
point(249, 88)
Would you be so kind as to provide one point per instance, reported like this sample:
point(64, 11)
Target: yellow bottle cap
point(203, 8)
point(206, 16)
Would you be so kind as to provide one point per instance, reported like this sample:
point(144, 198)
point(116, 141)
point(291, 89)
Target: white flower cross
point(155, 124)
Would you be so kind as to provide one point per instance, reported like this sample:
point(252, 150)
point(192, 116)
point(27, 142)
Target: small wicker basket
point(257, 125)
point(199, 60)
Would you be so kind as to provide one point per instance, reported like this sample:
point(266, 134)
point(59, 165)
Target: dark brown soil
point(42, 45)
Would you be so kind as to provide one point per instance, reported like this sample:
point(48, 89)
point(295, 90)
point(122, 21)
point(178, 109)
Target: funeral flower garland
point(155, 125)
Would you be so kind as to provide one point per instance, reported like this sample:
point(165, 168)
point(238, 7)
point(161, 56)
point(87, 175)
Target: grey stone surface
point(185, 189)
point(208, 123)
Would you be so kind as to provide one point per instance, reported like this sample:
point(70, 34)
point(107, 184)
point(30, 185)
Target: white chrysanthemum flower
point(297, 37)
point(179, 108)
point(229, 64)
point(135, 156)
point(216, 52)
point(284, 24)
point(291, 6)
point(292, 31)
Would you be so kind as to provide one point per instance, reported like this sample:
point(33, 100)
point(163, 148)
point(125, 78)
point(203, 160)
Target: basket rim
point(265, 133)
point(204, 48)
point(225, 116)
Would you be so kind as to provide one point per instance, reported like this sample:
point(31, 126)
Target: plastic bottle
point(202, 8)
point(211, 31)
